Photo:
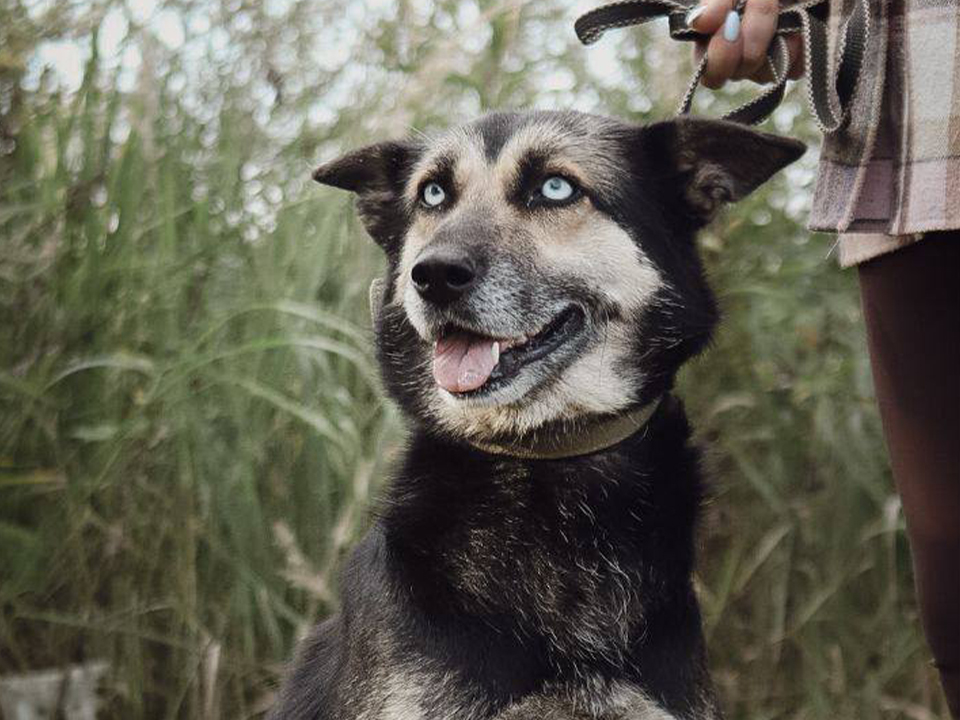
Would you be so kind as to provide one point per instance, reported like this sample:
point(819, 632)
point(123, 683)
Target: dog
point(532, 558)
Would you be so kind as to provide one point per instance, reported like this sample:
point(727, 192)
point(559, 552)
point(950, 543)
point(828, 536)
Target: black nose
point(443, 275)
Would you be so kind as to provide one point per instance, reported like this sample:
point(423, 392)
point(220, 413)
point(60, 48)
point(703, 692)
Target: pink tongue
point(463, 362)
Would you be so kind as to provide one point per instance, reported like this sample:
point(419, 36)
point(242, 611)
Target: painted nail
point(731, 26)
point(694, 14)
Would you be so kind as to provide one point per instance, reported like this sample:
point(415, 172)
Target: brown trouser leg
point(911, 305)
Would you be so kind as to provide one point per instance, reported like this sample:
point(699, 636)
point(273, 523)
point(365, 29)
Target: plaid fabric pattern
point(895, 168)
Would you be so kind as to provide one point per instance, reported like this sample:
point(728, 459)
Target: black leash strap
point(829, 98)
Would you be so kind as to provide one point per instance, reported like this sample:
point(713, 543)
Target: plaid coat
point(894, 169)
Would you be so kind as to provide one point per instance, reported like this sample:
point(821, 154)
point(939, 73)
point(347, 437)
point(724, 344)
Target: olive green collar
point(600, 435)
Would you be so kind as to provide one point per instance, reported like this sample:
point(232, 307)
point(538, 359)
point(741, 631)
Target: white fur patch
point(401, 698)
point(419, 693)
point(594, 697)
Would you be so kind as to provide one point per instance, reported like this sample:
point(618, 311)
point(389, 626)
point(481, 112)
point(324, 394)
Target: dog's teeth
point(495, 351)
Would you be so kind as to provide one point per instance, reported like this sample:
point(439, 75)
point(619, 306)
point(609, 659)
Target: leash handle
point(829, 98)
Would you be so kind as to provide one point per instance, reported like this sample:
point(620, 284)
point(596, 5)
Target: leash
point(601, 435)
point(829, 98)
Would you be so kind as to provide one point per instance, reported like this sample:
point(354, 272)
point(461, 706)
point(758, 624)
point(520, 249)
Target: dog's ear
point(375, 168)
point(712, 162)
point(377, 174)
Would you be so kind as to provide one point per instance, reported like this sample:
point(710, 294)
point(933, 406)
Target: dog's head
point(542, 266)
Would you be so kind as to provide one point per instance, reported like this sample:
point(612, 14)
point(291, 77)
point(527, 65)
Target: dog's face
point(542, 266)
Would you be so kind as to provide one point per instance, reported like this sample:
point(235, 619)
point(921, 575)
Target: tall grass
point(805, 570)
point(187, 399)
point(192, 433)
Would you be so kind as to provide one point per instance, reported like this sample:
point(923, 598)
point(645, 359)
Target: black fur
point(413, 575)
point(490, 579)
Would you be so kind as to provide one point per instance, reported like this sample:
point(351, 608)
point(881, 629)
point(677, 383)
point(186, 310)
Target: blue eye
point(556, 188)
point(432, 194)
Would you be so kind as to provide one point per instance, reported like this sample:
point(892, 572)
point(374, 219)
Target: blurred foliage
point(191, 429)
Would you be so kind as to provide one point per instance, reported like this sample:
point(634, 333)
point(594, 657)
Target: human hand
point(737, 49)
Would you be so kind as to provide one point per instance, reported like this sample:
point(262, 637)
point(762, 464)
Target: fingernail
point(694, 14)
point(731, 26)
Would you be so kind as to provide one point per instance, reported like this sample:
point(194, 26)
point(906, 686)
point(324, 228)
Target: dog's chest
point(416, 695)
point(563, 561)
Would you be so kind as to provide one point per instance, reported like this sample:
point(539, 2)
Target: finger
point(723, 53)
point(759, 24)
point(763, 75)
point(709, 15)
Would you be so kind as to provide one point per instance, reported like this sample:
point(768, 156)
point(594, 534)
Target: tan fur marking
point(586, 152)
point(589, 245)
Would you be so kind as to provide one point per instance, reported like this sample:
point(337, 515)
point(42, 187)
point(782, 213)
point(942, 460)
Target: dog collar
point(599, 436)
